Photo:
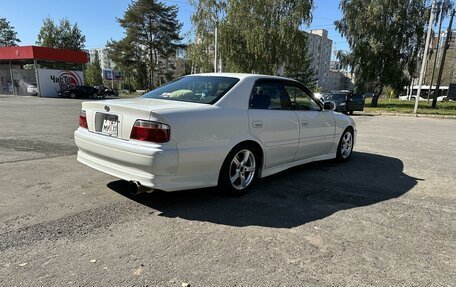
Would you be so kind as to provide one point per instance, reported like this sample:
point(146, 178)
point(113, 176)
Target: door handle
point(257, 124)
point(304, 123)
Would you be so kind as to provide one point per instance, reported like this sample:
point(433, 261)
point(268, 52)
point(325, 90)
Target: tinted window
point(269, 95)
point(196, 89)
point(336, 97)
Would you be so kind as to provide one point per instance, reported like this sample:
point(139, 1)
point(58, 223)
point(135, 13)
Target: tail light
point(150, 131)
point(83, 119)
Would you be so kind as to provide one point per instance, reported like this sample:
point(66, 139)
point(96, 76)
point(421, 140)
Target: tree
point(299, 65)
point(385, 37)
point(93, 72)
point(153, 27)
point(8, 37)
point(127, 58)
point(63, 36)
point(49, 34)
point(261, 36)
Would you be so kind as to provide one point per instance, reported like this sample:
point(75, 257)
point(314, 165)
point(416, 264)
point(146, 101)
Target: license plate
point(109, 126)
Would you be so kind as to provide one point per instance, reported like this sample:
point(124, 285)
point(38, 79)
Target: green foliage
point(126, 57)
point(260, 36)
point(8, 37)
point(298, 66)
point(153, 27)
point(93, 72)
point(63, 36)
point(385, 37)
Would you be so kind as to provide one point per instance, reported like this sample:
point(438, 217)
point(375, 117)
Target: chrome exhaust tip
point(135, 188)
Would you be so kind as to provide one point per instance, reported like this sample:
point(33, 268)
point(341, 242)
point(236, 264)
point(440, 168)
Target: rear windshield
point(195, 89)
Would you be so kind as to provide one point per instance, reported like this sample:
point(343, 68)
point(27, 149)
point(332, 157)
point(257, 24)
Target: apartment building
point(105, 62)
point(320, 47)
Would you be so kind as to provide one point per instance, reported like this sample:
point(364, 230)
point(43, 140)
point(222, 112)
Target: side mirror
point(329, 106)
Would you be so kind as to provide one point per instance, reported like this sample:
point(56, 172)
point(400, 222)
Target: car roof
point(240, 76)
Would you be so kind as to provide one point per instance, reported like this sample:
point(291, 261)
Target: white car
point(32, 89)
point(211, 129)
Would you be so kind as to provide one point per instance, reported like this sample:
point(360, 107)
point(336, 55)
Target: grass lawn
point(405, 107)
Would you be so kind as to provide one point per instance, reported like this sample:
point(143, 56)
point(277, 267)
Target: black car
point(105, 91)
point(79, 92)
point(345, 101)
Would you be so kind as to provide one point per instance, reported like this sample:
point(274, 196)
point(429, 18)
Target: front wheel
point(345, 147)
point(239, 171)
point(73, 95)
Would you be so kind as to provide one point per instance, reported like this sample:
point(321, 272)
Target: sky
point(97, 18)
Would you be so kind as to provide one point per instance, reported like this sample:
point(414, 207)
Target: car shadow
point(290, 198)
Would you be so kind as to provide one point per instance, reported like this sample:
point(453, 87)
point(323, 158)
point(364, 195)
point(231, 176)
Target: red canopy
point(42, 54)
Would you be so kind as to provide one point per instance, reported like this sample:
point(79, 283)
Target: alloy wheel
point(346, 145)
point(242, 169)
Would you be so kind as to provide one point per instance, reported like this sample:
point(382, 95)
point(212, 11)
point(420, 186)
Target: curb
point(450, 117)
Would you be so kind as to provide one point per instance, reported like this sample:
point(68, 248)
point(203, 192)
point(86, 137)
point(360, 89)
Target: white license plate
point(109, 126)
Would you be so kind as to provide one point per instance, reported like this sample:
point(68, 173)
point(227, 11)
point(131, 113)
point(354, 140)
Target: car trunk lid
point(116, 118)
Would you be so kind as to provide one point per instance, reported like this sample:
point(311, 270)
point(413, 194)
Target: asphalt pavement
point(385, 218)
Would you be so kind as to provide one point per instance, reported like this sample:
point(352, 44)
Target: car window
point(300, 100)
point(336, 97)
point(268, 95)
point(358, 98)
point(196, 89)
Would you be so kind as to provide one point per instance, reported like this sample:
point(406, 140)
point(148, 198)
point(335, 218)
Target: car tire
point(350, 112)
point(95, 95)
point(240, 170)
point(345, 147)
point(73, 95)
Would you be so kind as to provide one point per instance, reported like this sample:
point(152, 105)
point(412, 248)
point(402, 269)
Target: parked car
point(79, 92)
point(105, 91)
point(211, 129)
point(345, 101)
point(32, 89)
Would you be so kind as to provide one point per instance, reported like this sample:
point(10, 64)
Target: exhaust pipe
point(135, 188)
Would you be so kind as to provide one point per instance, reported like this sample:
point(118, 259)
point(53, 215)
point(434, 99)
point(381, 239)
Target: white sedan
point(204, 130)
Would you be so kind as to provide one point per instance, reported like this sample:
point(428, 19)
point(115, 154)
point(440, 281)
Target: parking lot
point(385, 218)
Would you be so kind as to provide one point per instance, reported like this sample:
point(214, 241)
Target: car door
point(317, 126)
point(273, 122)
point(356, 103)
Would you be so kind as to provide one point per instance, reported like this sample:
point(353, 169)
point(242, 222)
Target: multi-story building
point(105, 62)
point(340, 79)
point(334, 65)
point(320, 52)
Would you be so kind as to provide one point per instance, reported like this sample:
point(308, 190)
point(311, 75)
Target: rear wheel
point(239, 170)
point(345, 147)
point(73, 95)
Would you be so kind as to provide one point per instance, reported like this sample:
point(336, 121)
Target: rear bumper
point(152, 165)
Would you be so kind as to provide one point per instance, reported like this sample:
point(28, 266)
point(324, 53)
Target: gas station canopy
point(31, 53)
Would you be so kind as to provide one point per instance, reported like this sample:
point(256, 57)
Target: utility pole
point(216, 45)
point(436, 51)
point(442, 63)
point(423, 64)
